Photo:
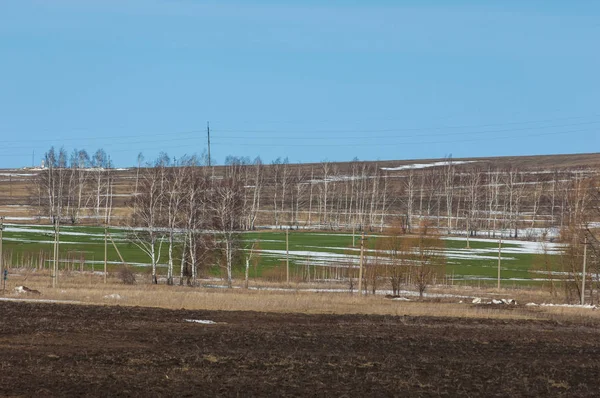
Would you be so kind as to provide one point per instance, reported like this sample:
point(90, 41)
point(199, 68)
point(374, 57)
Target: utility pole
point(57, 248)
point(105, 249)
point(360, 271)
point(499, 259)
point(1, 253)
point(208, 136)
point(53, 273)
point(56, 251)
point(468, 219)
point(287, 256)
point(583, 275)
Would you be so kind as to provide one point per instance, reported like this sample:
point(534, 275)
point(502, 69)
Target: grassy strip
point(89, 242)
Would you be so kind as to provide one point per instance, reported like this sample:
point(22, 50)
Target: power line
point(115, 142)
point(484, 135)
point(99, 137)
point(412, 135)
point(407, 143)
point(279, 131)
point(369, 144)
point(414, 128)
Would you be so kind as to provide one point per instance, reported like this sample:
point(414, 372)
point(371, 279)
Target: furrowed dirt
point(77, 350)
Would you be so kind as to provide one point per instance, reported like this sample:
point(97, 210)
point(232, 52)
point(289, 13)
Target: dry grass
point(90, 289)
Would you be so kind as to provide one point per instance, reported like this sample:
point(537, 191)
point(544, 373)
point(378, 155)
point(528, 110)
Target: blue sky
point(306, 80)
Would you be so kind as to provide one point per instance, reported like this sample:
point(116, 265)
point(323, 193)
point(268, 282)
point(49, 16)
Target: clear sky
point(307, 80)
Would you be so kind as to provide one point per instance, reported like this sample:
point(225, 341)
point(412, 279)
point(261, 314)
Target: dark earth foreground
point(73, 350)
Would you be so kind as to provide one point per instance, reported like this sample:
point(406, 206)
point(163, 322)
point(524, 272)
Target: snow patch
point(477, 300)
point(201, 321)
point(586, 306)
point(425, 165)
point(40, 300)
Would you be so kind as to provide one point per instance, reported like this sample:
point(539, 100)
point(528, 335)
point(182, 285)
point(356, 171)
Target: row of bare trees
point(70, 187)
point(357, 195)
point(406, 260)
point(362, 195)
point(319, 195)
point(196, 214)
point(580, 236)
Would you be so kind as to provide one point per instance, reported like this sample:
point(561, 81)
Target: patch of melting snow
point(28, 230)
point(17, 174)
point(478, 300)
point(425, 165)
point(513, 246)
point(306, 253)
point(586, 306)
point(201, 321)
point(40, 300)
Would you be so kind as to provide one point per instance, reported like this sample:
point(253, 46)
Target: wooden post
point(287, 256)
point(499, 259)
point(105, 250)
point(360, 270)
point(1, 253)
point(56, 249)
point(116, 248)
point(468, 219)
point(583, 274)
point(52, 273)
point(248, 258)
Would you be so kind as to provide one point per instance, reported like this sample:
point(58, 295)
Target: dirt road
point(72, 350)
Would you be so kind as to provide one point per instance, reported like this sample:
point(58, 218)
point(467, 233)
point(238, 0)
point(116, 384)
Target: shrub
point(127, 276)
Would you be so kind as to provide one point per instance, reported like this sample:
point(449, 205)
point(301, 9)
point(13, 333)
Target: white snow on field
point(353, 249)
point(586, 306)
point(524, 246)
point(44, 241)
point(424, 165)
point(265, 240)
point(201, 321)
point(350, 257)
point(47, 231)
point(528, 233)
point(39, 300)
point(16, 174)
point(306, 253)
point(468, 254)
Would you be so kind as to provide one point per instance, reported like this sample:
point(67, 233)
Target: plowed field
point(76, 350)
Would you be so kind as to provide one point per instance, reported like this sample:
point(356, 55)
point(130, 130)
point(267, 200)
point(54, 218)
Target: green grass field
point(23, 244)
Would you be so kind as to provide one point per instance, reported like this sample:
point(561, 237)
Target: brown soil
point(76, 350)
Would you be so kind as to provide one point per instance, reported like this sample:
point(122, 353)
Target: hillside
point(488, 194)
